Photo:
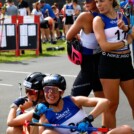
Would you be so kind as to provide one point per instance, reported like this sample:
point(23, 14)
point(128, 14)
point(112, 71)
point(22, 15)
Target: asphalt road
point(13, 73)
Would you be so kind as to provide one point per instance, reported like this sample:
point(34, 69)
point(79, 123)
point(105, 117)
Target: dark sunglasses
point(51, 89)
point(88, 1)
point(30, 92)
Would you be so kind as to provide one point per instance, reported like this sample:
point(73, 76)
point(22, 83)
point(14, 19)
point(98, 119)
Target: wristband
point(129, 28)
point(90, 118)
point(36, 116)
point(125, 42)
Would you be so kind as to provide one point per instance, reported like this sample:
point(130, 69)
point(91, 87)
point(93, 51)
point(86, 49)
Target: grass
point(9, 56)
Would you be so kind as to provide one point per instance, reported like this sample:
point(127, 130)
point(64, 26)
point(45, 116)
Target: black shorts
point(69, 20)
point(116, 66)
point(44, 24)
point(56, 25)
point(87, 79)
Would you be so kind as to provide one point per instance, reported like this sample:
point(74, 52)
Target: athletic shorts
point(56, 25)
point(88, 78)
point(44, 24)
point(116, 66)
point(69, 20)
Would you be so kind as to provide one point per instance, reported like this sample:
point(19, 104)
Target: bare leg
point(121, 130)
point(128, 89)
point(43, 34)
point(50, 131)
point(111, 91)
point(14, 130)
point(101, 95)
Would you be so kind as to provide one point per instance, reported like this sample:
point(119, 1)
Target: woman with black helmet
point(67, 110)
point(33, 89)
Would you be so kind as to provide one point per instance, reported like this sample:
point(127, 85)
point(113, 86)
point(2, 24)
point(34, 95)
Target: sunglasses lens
point(88, 1)
point(49, 89)
point(31, 92)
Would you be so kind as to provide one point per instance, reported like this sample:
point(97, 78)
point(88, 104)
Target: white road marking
point(20, 72)
point(9, 85)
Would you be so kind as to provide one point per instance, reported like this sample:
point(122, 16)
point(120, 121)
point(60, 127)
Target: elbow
point(68, 37)
point(9, 123)
point(105, 49)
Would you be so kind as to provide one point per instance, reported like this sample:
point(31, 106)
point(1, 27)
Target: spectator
point(48, 12)
point(115, 68)
point(57, 22)
point(24, 10)
point(11, 9)
point(69, 11)
point(77, 9)
point(23, 7)
point(43, 24)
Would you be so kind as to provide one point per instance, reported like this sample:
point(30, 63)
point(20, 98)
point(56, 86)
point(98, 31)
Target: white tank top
point(89, 42)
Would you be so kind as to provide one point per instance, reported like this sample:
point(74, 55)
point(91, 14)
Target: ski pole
point(65, 126)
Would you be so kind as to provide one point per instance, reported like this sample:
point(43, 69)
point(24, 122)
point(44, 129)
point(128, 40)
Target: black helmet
point(34, 81)
point(54, 80)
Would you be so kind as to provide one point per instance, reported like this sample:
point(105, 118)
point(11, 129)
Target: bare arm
point(99, 104)
point(14, 121)
point(98, 27)
point(84, 21)
point(42, 120)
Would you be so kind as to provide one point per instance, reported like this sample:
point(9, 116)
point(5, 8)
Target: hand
point(83, 126)
point(39, 109)
point(20, 101)
point(85, 123)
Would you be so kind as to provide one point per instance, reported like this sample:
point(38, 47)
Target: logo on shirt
point(65, 114)
point(113, 21)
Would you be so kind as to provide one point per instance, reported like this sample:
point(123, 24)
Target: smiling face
point(104, 6)
point(52, 94)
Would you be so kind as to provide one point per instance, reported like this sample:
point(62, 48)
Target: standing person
point(45, 32)
point(57, 23)
point(48, 12)
point(115, 68)
point(23, 7)
point(68, 110)
point(11, 9)
point(33, 89)
point(68, 11)
point(88, 78)
point(24, 10)
point(77, 9)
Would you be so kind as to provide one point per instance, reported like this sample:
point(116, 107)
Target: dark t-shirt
point(23, 4)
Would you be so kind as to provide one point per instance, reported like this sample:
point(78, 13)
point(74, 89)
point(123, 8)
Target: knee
point(113, 106)
point(14, 130)
point(127, 129)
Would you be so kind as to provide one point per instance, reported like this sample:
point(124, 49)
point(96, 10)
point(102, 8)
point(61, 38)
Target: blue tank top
point(70, 114)
point(69, 10)
point(112, 31)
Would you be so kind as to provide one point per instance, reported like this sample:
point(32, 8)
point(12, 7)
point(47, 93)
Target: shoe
point(53, 42)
